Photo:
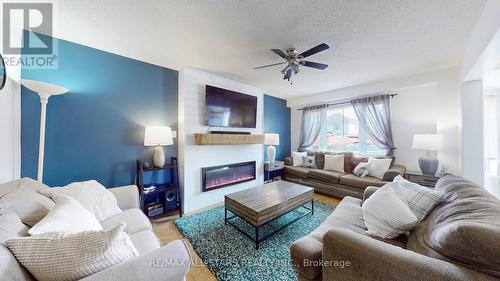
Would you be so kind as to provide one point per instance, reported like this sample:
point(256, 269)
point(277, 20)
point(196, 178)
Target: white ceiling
point(370, 40)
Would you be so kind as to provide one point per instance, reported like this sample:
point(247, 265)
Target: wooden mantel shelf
point(218, 139)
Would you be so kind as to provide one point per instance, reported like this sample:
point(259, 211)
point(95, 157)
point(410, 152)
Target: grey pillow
point(463, 229)
point(11, 226)
point(308, 161)
point(22, 197)
point(24, 184)
point(473, 244)
point(30, 206)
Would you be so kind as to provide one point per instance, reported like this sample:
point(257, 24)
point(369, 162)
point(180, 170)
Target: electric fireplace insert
point(226, 175)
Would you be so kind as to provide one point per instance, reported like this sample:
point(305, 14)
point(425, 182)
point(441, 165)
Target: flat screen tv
point(224, 108)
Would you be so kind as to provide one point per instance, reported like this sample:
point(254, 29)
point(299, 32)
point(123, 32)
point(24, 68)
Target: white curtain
point(374, 116)
point(313, 118)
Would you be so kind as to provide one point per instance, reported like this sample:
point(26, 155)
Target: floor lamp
point(44, 90)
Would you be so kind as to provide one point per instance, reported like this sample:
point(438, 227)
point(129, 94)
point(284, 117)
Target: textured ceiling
point(370, 40)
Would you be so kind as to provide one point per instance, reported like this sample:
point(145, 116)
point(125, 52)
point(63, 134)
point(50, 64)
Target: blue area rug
point(232, 256)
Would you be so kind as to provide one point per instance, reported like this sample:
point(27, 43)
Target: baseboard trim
point(221, 203)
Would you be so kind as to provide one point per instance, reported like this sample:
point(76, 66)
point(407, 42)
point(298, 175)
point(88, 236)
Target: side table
point(273, 172)
point(424, 180)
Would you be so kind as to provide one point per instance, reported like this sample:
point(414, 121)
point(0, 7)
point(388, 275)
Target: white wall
point(193, 157)
point(472, 131)
point(413, 111)
point(10, 149)
point(481, 58)
point(432, 98)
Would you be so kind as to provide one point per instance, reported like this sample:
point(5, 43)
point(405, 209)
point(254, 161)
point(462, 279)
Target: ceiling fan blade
point(288, 74)
point(280, 53)
point(320, 48)
point(269, 65)
point(314, 65)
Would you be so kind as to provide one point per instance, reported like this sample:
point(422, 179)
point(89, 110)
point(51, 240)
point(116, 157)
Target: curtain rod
point(348, 102)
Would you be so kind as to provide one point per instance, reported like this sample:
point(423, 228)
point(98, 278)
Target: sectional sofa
point(20, 200)
point(338, 184)
point(457, 241)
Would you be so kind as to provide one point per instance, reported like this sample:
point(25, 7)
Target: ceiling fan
point(294, 60)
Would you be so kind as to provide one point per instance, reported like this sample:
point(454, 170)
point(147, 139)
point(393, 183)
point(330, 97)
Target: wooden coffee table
point(262, 204)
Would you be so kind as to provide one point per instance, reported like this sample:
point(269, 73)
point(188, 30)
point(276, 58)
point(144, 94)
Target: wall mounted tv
point(224, 108)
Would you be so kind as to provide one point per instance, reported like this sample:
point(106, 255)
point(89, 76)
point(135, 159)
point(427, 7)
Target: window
point(342, 133)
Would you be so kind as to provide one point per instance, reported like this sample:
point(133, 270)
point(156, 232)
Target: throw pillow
point(362, 169)
point(92, 195)
point(59, 257)
point(30, 206)
point(21, 196)
point(348, 166)
point(378, 167)
point(23, 184)
point(385, 215)
point(319, 157)
point(308, 162)
point(334, 163)
point(470, 243)
point(67, 216)
point(11, 226)
point(421, 200)
point(297, 158)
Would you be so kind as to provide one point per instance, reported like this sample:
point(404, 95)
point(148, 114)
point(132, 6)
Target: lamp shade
point(428, 142)
point(154, 136)
point(43, 88)
point(272, 139)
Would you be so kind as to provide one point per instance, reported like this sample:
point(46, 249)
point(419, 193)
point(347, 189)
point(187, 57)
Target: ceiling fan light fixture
point(294, 60)
point(285, 69)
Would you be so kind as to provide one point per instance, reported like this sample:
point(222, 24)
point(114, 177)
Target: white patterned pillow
point(92, 195)
point(421, 200)
point(362, 169)
point(58, 257)
point(67, 216)
point(308, 162)
point(385, 215)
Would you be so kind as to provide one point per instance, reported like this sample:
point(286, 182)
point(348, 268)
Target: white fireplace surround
point(192, 157)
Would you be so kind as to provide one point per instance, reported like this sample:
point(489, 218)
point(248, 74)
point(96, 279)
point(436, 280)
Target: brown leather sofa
point(335, 183)
point(457, 241)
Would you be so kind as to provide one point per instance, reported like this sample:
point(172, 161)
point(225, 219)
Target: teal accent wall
point(96, 131)
point(277, 120)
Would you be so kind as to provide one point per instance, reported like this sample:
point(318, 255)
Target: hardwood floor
point(167, 232)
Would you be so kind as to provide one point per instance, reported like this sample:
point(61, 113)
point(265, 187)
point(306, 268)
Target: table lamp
point(158, 136)
point(428, 142)
point(271, 140)
point(45, 91)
